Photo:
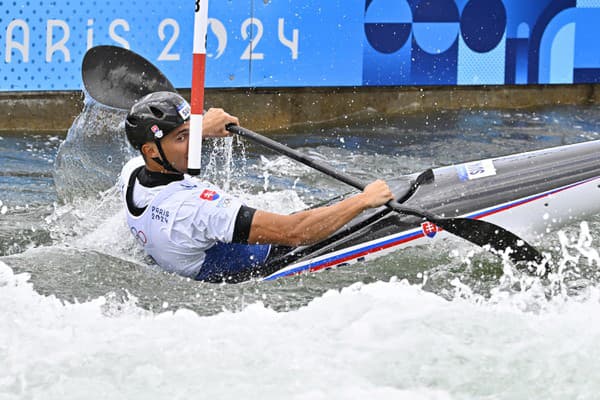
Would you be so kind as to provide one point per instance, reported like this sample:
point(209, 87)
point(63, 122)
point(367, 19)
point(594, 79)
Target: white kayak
point(525, 193)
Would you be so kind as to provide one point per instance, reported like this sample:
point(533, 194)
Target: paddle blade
point(117, 77)
point(483, 233)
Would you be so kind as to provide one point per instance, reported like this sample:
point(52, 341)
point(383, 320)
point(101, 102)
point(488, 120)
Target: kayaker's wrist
point(363, 201)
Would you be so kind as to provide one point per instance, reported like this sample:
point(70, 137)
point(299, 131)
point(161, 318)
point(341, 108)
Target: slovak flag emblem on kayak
point(430, 229)
point(209, 195)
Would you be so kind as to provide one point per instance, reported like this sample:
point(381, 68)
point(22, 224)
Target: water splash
point(92, 155)
point(574, 248)
point(221, 167)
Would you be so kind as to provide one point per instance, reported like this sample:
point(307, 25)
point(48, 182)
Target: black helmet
point(154, 116)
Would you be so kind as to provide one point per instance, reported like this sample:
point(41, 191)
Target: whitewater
point(84, 315)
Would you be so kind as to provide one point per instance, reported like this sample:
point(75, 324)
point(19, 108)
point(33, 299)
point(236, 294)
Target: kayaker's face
point(175, 146)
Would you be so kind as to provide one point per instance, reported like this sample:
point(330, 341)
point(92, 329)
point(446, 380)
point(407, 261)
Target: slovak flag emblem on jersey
point(430, 229)
point(209, 195)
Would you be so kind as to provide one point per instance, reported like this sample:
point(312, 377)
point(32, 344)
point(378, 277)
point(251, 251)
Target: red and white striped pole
point(197, 103)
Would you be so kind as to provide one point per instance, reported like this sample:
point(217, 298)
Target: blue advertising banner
point(473, 42)
point(287, 43)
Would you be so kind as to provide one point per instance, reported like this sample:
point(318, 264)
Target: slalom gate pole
point(197, 97)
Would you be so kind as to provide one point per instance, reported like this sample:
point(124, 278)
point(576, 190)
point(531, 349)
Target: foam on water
point(385, 339)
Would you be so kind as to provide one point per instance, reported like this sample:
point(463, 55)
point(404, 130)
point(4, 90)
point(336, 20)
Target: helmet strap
point(163, 158)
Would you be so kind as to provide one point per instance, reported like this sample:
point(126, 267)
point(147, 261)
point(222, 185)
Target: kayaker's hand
point(377, 194)
point(214, 121)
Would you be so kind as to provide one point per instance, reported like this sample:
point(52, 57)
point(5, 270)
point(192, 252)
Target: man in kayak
point(194, 228)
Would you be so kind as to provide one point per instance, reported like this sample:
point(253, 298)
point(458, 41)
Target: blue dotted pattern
point(481, 68)
point(588, 3)
point(42, 43)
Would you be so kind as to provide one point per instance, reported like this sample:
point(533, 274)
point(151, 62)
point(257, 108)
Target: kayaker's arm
point(310, 226)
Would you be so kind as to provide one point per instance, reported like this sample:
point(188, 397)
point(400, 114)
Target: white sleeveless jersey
point(181, 221)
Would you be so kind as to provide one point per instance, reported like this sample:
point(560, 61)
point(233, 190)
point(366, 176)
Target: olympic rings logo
point(140, 236)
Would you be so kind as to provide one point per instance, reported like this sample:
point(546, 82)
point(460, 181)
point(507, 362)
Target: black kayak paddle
point(117, 77)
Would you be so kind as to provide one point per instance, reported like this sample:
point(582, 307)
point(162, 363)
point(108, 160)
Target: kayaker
point(194, 228)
